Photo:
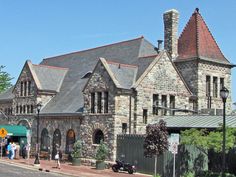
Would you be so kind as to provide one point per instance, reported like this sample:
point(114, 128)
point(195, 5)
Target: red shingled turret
point(196, 40)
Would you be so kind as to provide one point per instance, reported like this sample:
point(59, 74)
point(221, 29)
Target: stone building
point(95, 94)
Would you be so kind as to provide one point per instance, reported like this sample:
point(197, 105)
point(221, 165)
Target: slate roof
point(124, 74)
point(70, 97)
point(50, 78)
point(7, 95)
point(197, 121)
point(196, 41)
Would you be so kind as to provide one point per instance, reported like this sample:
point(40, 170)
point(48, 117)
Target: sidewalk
point(67, 169)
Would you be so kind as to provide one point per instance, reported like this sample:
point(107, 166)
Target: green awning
point(15, 130)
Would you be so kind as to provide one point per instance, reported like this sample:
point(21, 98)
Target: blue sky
point(38, 29)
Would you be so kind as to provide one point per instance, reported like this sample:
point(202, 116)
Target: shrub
point(102, 152)
point(77, 149)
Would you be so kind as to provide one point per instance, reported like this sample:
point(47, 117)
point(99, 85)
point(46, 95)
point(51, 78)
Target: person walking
point(9, 150)
point(58, 156)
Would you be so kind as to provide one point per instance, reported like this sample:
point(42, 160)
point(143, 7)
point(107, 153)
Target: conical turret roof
point(196, 41)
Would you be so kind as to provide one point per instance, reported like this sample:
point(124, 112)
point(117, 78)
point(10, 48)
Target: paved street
point(14, 171)
point(25, 168)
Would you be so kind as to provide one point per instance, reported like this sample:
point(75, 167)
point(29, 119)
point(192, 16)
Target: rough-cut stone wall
point(194, 72)
point(100, 81)
point(64, 124)
point(213, 70)
point(30, 99)
point(171, 20)
point(162, 79)
point(6, 107)
point(189, 71)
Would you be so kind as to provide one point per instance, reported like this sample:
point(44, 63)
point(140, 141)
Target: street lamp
point(224, 92)
point(36, 162)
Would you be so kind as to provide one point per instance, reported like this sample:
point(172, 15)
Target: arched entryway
point(45, 140)
point(24, 123)
point(98, 136)
point(56, 141)
point(70, 140)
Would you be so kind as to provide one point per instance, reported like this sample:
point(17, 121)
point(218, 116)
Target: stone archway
point(24, 123)
point(56, 141)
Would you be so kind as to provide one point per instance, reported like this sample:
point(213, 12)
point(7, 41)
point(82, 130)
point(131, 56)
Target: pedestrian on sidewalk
point(58, 156)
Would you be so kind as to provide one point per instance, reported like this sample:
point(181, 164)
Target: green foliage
point(189, 174)
point(209, 140)
point(77, 149)
point(5, 80)
point(102, 152)
point(156, 140)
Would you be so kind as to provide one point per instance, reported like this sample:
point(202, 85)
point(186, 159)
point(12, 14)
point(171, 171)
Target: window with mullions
point(208, 86)
point(105, 102)
point(172, 105)
point(164, 104)
point(215, 87)
point(155, 104)
point(92, 102)
point(99, 102)
point(145, 114)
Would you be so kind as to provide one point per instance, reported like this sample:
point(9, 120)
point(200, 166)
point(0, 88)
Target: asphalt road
point(9, 170)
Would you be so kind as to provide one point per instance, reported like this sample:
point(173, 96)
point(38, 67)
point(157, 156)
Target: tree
point(156, 140)
point(209, 140)
point(5, 80)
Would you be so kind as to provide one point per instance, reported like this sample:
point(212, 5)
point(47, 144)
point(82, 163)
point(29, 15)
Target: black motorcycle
point(121, 166)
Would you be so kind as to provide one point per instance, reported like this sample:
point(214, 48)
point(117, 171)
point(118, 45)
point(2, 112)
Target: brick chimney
point(171, 21)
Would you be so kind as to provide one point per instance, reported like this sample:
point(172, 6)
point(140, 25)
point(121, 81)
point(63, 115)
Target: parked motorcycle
point(121, 166)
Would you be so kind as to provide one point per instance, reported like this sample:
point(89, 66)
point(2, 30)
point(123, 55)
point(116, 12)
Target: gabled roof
point(123, 73)
point(196, 41)
point(7, 95)
point(70, 97)
point(50, 78)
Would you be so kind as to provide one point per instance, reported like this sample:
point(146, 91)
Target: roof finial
point(197, 10)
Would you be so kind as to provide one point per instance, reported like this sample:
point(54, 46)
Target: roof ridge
point(196, 12)
point(149, 56)
point(122, 64)
point(51, 67)
point(141, 37)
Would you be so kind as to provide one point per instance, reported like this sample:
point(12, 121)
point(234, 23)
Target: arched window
point(98, 136)
point(45, 141)
point(70, 140)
